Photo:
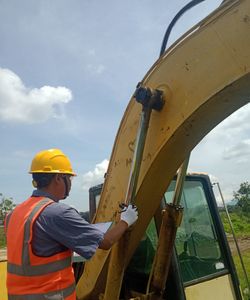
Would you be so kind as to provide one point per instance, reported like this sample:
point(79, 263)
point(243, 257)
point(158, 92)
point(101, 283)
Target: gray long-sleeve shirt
point(60, 227)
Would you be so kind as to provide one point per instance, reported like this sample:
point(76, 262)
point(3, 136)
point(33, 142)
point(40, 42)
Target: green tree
point(6, 205)
point(243, 197)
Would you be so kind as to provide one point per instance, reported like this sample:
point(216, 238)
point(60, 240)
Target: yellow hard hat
point(51, 161)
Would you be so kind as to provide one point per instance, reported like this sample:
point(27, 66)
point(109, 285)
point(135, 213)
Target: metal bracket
point(150, 98)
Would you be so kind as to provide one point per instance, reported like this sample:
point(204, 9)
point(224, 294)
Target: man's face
point(67, 184)
point(63, 185)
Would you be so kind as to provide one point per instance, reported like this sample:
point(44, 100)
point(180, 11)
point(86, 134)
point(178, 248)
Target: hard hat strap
point(66, 187)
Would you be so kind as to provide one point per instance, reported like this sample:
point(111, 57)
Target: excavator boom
point(204, 77)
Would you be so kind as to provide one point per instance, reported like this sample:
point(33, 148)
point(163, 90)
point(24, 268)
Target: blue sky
point(67, 72)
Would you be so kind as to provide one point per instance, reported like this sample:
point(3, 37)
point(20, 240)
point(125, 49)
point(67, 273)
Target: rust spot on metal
point(117, 163)
point(246, 19)
point(128, 162)
point(148, 157)
point(163, 129)
point(131, 146)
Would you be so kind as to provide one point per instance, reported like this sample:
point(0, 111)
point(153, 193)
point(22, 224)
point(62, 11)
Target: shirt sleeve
point(65, 225)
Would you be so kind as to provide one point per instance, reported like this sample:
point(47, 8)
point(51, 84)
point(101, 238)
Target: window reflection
point(196, 241)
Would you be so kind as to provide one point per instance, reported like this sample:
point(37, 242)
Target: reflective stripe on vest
point(26, 269)
point(40, 269)
point(36, 268)
point(58, 295)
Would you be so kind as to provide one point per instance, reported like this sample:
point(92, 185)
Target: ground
point(244, 244)
point(2, 254)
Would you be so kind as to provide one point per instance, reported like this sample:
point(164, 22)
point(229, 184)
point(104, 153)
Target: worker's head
point(51, 170)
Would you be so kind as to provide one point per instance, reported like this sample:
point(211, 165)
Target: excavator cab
point(201, 251)
point(197, 241)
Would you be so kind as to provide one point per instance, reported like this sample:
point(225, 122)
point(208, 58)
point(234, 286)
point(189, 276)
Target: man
point(42, 233)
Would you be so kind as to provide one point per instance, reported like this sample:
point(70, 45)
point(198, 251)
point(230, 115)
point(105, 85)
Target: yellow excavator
point(195, 84)
point(200, 252)
point(177, 250)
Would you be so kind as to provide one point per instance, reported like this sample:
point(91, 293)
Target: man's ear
point(57, 178)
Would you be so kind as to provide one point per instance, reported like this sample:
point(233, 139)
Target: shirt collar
point(41, 193)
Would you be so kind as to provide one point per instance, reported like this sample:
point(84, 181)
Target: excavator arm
point(204, 77)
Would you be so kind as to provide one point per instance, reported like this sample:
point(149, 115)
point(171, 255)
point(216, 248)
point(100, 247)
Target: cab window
point(196, 240)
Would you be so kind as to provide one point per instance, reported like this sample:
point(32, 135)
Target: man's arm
point(128, 218)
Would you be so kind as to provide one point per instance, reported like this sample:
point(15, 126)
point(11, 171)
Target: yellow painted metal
point(3, 273)
point(205, 77)
point(171, 220)
point(220, 288)
point(116, 270)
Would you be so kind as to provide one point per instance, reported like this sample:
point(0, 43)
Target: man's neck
point(44, 193)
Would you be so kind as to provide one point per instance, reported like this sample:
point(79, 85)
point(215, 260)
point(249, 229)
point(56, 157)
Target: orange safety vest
point(31, 277)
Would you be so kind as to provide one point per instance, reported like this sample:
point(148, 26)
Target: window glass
point(97, 199)
point(196, 241)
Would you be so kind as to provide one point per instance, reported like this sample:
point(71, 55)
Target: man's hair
point(41, 180)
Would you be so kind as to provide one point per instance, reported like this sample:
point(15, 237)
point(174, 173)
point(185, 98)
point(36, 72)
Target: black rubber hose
point(171, 25)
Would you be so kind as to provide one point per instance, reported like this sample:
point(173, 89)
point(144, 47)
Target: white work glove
point(130, 214)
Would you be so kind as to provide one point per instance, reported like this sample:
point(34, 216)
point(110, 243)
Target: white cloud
point(231, 137)
point(225, 153)
point(239, 151)
point(96, 176)
point(239, 120)
point(21, 104)
point(235, 127)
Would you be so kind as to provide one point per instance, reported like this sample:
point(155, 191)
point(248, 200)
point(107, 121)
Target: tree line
point(242, 196)
point(6, 205)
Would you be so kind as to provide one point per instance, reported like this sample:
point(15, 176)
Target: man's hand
point(130, 214)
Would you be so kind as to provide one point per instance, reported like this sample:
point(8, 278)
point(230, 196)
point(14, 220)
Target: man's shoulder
point(57, 209)
point(60, 215)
